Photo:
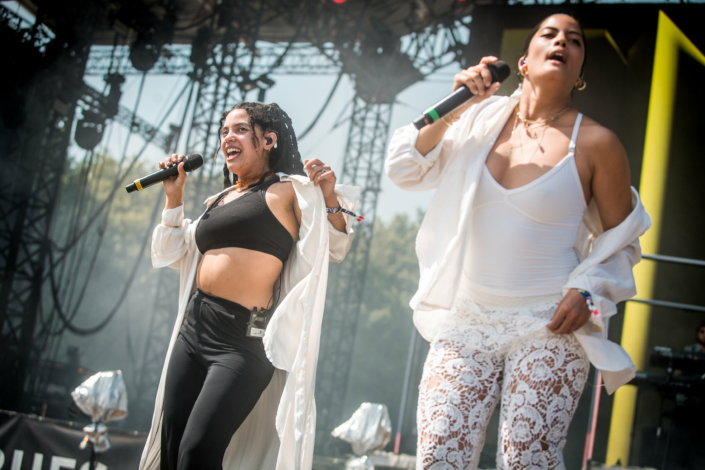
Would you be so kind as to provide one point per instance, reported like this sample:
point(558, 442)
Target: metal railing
point(595, 401)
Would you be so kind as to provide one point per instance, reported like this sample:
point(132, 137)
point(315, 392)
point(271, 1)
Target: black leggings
point(215, 376)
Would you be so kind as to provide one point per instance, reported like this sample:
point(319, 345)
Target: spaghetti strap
point(574, 137)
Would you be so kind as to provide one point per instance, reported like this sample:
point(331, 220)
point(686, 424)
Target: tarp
point(32, 443)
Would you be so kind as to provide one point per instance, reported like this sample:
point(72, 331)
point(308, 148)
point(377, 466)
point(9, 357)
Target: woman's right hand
point(478, 79)
point(174, 186)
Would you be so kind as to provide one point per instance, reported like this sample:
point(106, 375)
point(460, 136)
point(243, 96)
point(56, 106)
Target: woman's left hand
point(322, 176)
point(572, 313)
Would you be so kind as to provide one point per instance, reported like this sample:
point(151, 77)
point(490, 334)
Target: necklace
point(508, 152)
point(529, 123)
point(244, 183)
point(524, 161)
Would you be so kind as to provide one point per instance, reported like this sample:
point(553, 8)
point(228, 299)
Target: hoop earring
point(581, 84)
point(215, 157)
point(523, 68)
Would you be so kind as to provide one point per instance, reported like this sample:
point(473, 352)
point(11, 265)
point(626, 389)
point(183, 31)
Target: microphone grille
point(500, 71)
point(193, 162)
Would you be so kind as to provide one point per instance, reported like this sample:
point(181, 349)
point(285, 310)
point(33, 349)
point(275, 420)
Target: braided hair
point(270, 118)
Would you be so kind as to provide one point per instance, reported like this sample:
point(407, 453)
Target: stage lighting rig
point(201, 48)
point(264, 83)
point(147, 46)
point(144, 51)
point(112, 101)
point(246, 83)
point(89, 130)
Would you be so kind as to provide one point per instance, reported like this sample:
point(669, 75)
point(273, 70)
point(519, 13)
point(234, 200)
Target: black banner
point(33, 443)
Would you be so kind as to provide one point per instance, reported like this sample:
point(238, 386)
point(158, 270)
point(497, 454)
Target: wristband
point(589, 302)
point(335, 210)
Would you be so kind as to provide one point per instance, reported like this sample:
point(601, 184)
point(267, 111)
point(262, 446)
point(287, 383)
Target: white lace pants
point(538, 375)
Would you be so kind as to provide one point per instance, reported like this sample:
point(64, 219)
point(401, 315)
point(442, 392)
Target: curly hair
point(270, 118)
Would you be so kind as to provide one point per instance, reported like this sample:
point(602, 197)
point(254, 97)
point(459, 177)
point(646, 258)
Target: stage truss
point(225, 61)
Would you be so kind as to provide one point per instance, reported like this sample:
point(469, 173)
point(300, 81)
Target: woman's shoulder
point(599, 143)
point(283, 193)
point(282, 188)
point(594, 135)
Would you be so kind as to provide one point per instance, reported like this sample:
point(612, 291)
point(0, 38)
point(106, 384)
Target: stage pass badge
point(257, 324)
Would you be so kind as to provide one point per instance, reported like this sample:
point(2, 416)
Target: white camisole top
point(521, 240)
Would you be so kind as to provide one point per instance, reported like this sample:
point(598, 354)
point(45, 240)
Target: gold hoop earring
point(523, 68)
point(215, 157)
point(581, 84)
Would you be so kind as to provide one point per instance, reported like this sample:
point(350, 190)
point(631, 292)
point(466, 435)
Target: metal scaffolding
point(363, 167)
point(33, 163)
point(229, 58)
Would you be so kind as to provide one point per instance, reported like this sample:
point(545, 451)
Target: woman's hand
point(479, 80)
point(572, 313)
point(174, 186)
point(323, 176)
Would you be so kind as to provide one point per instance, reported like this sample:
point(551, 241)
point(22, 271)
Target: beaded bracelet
point(335, 210)
point(590, 303)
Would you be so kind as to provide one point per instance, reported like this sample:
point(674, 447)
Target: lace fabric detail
point(490, 323)
point(499, 348)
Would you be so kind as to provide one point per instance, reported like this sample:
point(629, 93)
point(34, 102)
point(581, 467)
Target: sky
point(302, 97)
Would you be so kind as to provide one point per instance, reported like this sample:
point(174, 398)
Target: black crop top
point(246, 222)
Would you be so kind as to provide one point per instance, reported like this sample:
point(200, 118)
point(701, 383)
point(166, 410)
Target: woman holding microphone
point(237, 386)
point(528, 244)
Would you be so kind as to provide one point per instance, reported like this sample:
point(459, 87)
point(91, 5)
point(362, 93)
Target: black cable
point(118, 181)
point(323, 108)
point(89, 331)
point(67, 319)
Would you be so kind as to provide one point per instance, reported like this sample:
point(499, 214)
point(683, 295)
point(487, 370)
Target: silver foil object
point(359, 463)
point(104, 398)
point(368, 429)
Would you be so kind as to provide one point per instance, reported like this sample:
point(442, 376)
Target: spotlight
point(111, 106)
point(339, 1)
point(144, 52)
point(89, 130)
point(247, 84)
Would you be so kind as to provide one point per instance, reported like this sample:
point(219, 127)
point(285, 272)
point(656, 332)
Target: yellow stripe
point(139, 185)
point(669, 41)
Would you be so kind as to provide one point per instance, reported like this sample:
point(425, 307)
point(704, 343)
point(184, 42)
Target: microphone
point(499, 70)
point(191, 162)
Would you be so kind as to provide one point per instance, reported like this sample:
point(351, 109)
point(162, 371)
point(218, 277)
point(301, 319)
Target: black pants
point(215, 376)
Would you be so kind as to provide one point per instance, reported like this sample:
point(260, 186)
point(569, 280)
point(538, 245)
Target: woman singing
point(528, 244)
point(236, 390)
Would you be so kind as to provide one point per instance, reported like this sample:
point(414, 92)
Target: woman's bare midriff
point(243, 276)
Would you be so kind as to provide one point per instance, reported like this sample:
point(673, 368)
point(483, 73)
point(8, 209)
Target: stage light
point(145, 51)
point(89, 130)
point(112, 101)
point(339, 1)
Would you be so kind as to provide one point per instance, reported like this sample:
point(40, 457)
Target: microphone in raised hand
point(499, 71)
point(191, 162)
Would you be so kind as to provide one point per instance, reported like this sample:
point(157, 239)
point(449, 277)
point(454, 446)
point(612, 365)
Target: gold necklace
point(529, 123)
point(524, 161)
point(508, 153)
point(244, 183)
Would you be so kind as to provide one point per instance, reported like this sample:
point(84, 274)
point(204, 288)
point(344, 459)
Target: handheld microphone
point(499, 70)
point(191, 162)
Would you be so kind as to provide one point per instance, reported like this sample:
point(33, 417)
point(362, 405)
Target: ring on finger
point(323, 171)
